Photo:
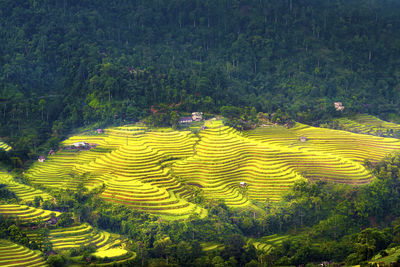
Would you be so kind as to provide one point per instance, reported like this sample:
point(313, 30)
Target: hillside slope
point(70, 64)
point(154, 170)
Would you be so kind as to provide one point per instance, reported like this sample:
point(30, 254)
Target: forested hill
point(68, 63)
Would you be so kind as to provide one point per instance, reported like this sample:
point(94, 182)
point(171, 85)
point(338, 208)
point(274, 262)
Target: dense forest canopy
point(67, 64)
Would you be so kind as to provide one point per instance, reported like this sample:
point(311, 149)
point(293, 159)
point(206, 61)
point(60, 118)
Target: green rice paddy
point(267, 242)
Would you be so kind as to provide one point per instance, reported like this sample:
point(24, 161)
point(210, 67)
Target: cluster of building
point(77, 145)
point(196, 116)
point(81, 146)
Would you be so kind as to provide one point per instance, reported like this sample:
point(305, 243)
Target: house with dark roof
point(185, 120)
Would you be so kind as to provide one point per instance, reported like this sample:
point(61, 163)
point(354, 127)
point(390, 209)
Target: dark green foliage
point(17, 235)
point(10, 229)
point(240, 118)
point(65, 220)
point(57, 260)
point(163, 115)
point(5, 193)
point(36, 201)
point(87, 250)
point(69, 64)
point(234, 246)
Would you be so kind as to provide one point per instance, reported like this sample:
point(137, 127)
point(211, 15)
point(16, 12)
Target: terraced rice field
point(267, 242)
point(4, 146)
point(84, 234)
point(110, 253)
point(210, 246)
point(25, 213)
point(150, 170)
point(262, 246)
point(117, 255)
point(390, 260)
point(12, 254)
point(23, 192)
point(56, 172)
point(350, 150)
point(132, 163)
point(223, 159)
point(355, 147)
point(269, 161)
point(367, 124)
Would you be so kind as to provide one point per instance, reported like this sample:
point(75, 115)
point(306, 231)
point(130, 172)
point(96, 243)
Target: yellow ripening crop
point(111, 253)
point(153, 169)
point(12, 254)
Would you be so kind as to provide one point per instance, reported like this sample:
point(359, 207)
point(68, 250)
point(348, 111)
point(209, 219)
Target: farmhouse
point(99, 131)
point(243, 184)
point(53, 221)
point(80, 144)
point(339, 106)
point(185, 120)
point(41, 158)
point(303, 139)
point(197, 116)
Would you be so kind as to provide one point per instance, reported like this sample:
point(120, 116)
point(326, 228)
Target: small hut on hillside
point(53, 221)
point(303, 139)
point(185, 120)
point(339, 106)
point(80, 144)
point(41, 158)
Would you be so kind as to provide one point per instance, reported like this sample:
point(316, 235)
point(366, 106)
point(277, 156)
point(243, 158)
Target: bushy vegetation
point(5, 193)
point(70, 64)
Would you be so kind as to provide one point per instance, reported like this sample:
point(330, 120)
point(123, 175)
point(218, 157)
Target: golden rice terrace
point(155, 170)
